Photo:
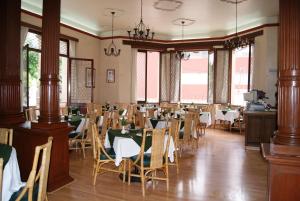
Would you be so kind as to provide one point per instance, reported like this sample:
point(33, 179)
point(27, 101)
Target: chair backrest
point(89, 108)
point(98, 147)
point(1, 175)
point(141, 119)
point(30, 113)
point(130, 112)
point(64, 111)
point(187, 127)
point(151, 112)
point(105, 125)
point(174, 130)
point(98, 109)
point(115, 119)
point(6, 136)
point(40, 174)
point(157, 148)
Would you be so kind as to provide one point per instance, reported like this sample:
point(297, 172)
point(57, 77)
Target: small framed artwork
point(110, 75)
point(89, 78)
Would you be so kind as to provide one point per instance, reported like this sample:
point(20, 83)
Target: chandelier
point(181, 54)
point(112, 50)
point(237, 41)
point(141, 31)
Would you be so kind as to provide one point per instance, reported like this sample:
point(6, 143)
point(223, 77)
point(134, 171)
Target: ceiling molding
point(173, 5)
point(163, 41)
point(187, 21)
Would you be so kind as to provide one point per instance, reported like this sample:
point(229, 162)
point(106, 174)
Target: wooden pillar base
point(8, 120)
point(284, 172)
point(27, 137)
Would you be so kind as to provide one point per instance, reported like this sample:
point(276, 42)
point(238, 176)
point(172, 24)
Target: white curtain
point(222, 76)
point(165, 77)
point(23, 34)
point(133, 75)
point(211, 77)
point(72, 48)
point(175, 79)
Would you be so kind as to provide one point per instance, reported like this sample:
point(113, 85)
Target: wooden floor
point(220, 170)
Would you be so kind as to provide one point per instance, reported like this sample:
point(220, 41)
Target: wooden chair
point(104, 158)
point(1, 175)
point(130, 114)
point(141, 119)
point(6, 136)
point(150, 112)
point(151, 163)
point(36, 185)
point(238, 122)
point(80, 136)
point(115, 119)
point(185, 138)
point(174, 133)
point(89, 108)
point(105, 126)
point(31, 113)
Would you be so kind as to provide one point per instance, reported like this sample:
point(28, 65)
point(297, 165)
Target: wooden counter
point(259, 127)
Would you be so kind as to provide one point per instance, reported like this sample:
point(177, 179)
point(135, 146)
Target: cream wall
point(266, 63)
point(120, 90)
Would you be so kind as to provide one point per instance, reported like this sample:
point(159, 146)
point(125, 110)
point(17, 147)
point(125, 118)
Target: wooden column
point(10, 97)
point(283, 154)
point(27, 135)
point(289, 74)
point(49, 102)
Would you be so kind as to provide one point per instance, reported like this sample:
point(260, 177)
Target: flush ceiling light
point(167, 5)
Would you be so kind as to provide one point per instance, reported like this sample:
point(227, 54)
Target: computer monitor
point(250, 96)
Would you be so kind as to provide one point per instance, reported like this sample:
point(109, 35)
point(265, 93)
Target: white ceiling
point(212, 17)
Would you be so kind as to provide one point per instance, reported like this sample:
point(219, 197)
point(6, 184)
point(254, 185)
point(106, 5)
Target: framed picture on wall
point(89, 78)
point(110, 75)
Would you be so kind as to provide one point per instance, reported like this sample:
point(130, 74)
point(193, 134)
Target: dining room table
point(227, 115)
point(11, 181)
point(129, 144)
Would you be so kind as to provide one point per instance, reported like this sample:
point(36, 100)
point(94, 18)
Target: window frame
point(207, 95)
point(250, 45)
point(146, 77)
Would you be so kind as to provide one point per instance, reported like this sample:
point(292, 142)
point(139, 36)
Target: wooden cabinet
point(259, 127)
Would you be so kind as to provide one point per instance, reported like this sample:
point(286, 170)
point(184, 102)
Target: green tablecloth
point(112, 133)
point(5, 151)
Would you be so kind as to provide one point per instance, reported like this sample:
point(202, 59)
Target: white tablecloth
point(205, 117)
point(230, 115)
point(11, 177)
point(127, 147)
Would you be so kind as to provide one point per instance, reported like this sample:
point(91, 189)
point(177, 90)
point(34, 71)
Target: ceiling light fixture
point(167, 5)
point(112, 48)
point(237, 41)
point(181, 54)
point(141, 31)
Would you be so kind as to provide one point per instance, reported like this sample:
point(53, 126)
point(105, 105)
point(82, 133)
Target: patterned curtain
point(170, 78)
point(222, 76)
point(174, 79)
point(165, 77)
point(210, 98)
point(133, 98)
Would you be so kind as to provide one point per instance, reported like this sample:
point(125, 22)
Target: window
point(148, 76)
point(194, 78)
point(239, 75)
point(31, 72)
